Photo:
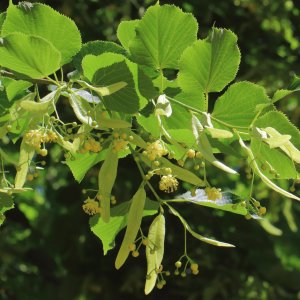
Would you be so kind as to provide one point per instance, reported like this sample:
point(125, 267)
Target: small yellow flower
point(91, 207)
point(120, 144)
point(213, 193)
point(33, 138)
point(155, 150)
point(168, 184)
point(92, 145)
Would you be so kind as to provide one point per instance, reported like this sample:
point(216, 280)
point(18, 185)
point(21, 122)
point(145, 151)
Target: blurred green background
point(47, 250)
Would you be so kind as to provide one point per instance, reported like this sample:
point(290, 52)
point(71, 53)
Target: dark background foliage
point(46, 248)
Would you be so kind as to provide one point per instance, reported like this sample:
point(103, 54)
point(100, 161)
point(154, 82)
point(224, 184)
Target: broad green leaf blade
point(134, 220)
point(193, 99)
point(26, 155)
point(107, 232)
point(2, 19)
point(6, 203)
point(80, 164)
point(156, 237)
point(150, 124)
point(237, 106)
point(295, 84)
point(43, 21)
point(229, 201)
point(280, 94)
point(96, 48)
point(126, 32)
point(106, 180)
point(108, 69)
point(30, 55)
point(209, 65)
point(195, 234)
point(16, 89)
point(162, 35)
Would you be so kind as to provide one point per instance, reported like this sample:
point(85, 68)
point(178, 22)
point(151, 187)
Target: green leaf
point(280, 94)
point(150, 124)
point(229, 201)
point(107, 232)
point(162, 35)
point(2, 19)
point(126, 32)
point(43, 21)
point(156, 237)
point(95, 48)
point(30, 55)
point(134, 221)
point(17, 89)
point(237, 105)
point(110, 68)
point(295, 84)
point(6, 203)
point(209, 65)
point(80, 164)
point(193, 99)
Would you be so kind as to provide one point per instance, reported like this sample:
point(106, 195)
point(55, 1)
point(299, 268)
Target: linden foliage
point(147, 98)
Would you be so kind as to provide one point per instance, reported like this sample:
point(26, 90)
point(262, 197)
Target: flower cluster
point(120, 141)
point(168, 183)
point(155, 150)
point(119, 145)
point(34, 138)
point(91, 145)
point(91, 207)
point(213, 193)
